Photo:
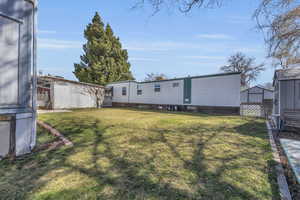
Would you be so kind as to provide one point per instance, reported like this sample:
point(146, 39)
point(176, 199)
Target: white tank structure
point(17, 77)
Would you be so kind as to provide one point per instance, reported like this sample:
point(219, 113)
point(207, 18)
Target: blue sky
point(169, 42)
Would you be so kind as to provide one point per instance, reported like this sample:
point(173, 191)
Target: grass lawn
point(140, 154)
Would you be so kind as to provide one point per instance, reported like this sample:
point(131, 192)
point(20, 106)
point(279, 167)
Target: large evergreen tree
point(104, 60)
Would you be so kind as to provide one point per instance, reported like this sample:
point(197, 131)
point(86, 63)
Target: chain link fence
point(255, 109)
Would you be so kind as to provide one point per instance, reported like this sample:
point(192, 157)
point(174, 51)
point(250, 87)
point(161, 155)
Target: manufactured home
point(287, 98)
point(17, 77)
point(257, 101)
point(59, 93)
point(216, 93)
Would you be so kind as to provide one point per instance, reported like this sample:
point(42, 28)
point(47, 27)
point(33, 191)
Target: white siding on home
point(117, 92)
point(168, 94)
point(216, 91)
point(223, 91)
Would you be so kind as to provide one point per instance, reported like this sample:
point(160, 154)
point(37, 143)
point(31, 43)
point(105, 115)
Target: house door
point(187, 91)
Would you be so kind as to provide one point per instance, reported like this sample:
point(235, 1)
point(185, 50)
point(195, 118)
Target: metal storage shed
point(17, 77)
point(287, 97)
point(257, 101)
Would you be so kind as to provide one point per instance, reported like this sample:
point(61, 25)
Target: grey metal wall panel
point(256, 98)
point(4, 137)
point(282, 96)
point(23, 135)
point(276, 98)
point(22, 11)
point(268, 94)
point(287, 95)
point(290, 94)
point(297, 96)
point(9, 51)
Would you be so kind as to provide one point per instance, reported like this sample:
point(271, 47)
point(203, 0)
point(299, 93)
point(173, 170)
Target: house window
point(157, 88)
point(124, 91)
point(139, 90)
point(175, 84)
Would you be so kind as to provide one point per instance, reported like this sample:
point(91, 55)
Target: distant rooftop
point(59, 78)
point(259, 86)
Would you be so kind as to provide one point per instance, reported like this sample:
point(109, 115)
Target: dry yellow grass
point(140, 154)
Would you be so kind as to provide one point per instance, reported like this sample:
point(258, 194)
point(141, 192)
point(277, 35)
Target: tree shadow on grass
point(127, 177)
point(195, 114)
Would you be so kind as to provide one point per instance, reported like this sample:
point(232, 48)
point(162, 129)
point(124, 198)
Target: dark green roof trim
point(192, 77)
point(177, 79)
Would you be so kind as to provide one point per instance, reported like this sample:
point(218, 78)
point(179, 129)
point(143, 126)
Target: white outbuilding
point(58, 93)
point(215, 93)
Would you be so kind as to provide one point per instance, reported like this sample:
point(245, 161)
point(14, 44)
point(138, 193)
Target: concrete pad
point(292, 151)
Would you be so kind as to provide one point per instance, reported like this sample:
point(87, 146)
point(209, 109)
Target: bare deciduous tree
point(183, 5)
point(155, 77)
point(279, 19)
point(239, 62)
point(97, 93)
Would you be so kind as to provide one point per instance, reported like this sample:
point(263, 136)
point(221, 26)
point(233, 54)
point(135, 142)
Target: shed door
point(187, 91)
point(9, 61)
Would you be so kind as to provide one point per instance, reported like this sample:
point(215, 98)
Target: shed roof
point(69, 81)
point(258, 86)
point(287, 74)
